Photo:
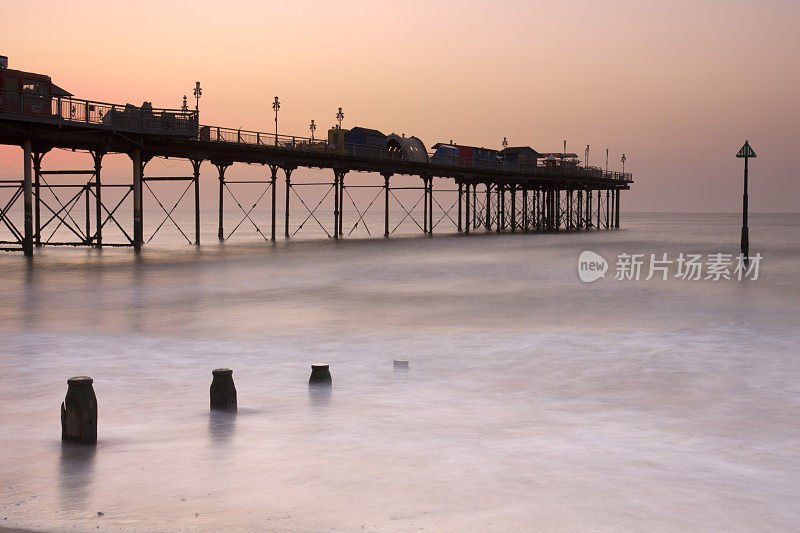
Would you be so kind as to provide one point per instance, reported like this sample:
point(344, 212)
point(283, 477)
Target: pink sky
point(676, 86)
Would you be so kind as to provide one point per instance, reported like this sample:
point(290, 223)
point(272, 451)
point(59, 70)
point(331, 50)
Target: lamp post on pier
point(185, 106)
point(313, 128)
point(276, 105)
point(340, 117)
point(198, 92)
point(623, 163)
point(504, 143)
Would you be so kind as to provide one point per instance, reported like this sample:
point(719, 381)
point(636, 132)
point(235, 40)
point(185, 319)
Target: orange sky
point(676, 86)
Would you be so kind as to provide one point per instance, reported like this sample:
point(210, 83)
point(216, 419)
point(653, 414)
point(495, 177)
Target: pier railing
point(184, 122)
point(126, 117)
point(291, 142)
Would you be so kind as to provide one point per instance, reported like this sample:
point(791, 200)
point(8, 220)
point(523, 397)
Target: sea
point(533, 400)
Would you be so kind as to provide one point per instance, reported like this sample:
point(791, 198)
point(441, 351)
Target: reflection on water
point(75, 474)
point(533, 401)
point(319, 395)
point(221, 426)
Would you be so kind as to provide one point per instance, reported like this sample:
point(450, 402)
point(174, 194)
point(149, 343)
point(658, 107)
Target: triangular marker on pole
point(746, 151)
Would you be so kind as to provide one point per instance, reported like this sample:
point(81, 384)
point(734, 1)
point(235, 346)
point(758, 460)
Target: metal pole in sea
point(746, 152)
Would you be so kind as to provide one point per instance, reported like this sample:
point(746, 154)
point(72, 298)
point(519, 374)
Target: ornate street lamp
point(505, 143)
point(198, 92)
point(623, 163)
point(340, 117)
point(313, 128)
point(185, 106)
point(276, 105)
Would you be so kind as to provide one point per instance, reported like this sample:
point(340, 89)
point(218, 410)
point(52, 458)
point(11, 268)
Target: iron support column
point(341, 203)
point(608, 194)
point(221, 171)
point(386, 205)
point(466, 210)
point(196, 168)
point(273, 183)
point(424, 205)
point(488, 206)
point(27, 191)
point(513, 191)
point(138, 228)
point(288, 172)
point(616, 210)
point(599, 206)
point(501, 207)
point(474, 205)
point(97, 156)
point(335, 204)
point(588, 208)
point(525, 220)
point(430, 206)
point(460, 201)
point(37, 174)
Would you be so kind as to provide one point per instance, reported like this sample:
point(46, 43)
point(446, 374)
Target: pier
point(502, 196)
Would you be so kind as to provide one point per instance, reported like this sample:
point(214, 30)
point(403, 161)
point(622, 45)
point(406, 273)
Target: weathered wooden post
point(79, 411)
point(223, 391)
point(320, 375)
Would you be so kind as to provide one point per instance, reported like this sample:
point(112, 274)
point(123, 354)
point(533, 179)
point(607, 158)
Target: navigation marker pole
point(745, 153)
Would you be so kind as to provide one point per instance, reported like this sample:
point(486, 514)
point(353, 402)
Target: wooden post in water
point(223, 390)
point(79, 411)
point(320, 375)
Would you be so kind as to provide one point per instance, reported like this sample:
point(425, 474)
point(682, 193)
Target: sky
point(676, 86)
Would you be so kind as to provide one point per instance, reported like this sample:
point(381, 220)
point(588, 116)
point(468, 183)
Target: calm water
point(533, 401)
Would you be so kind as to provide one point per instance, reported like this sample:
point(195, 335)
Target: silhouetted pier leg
point(196, 167)
point(335, 205)
point(430, 207)
point(525, 219)
point(27, 192)
point(273, 184)
point(611, 209)
point(460, 205)
point(386, 205)
point(513, 191)
point(79, 411)
point(467, 220)
point(424, 205)
point(288, 172)
point(488, 220)
point(223, 390)
point(599, 206)
point(320, 375)
point(97, 156)
point(138, 228)
point(588, 208)
point(474, 206)
point(221, 173)
point(341, 203)
point(616, 211)
point(88, 230)
point(501, 216)
point(37, 199)
point(579, 209)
